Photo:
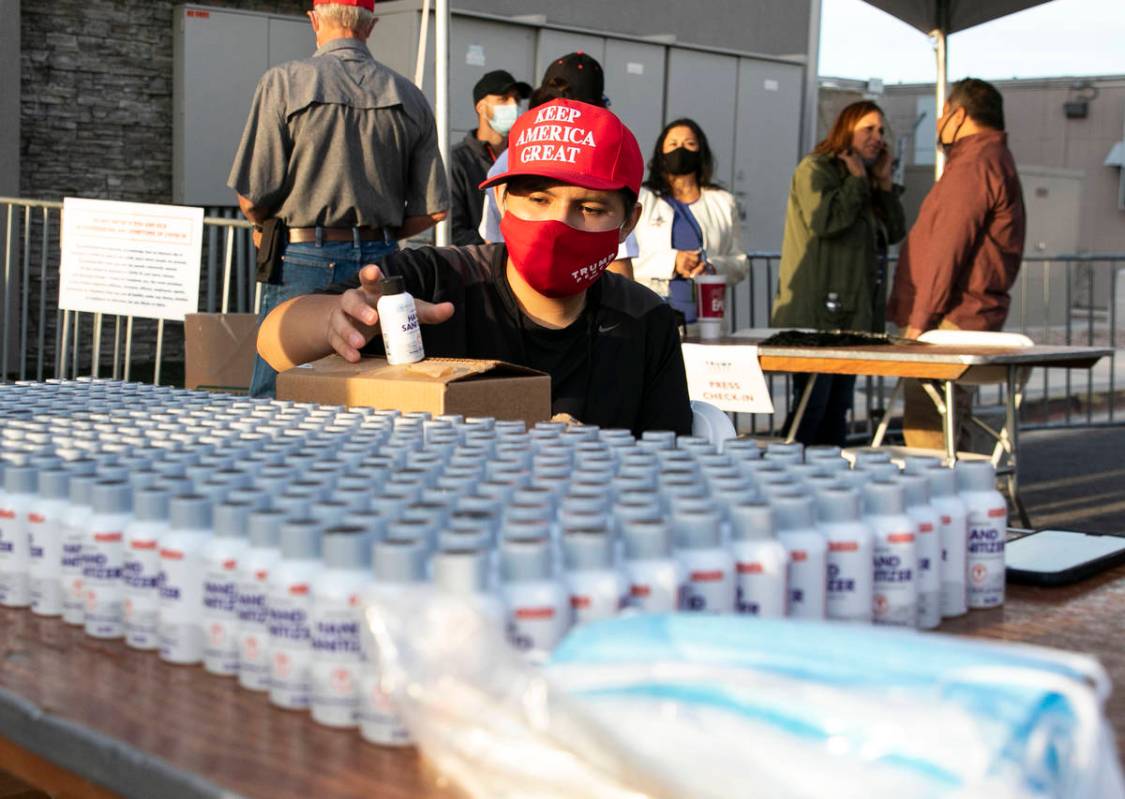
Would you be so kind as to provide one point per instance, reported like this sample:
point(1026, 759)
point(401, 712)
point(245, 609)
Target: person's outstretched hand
point(354, 321)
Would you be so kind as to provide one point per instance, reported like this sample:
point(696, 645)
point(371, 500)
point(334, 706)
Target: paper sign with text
point(728, 376)
point(130, 259)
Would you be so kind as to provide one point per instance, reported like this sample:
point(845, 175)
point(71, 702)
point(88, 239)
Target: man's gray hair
point(352, 18)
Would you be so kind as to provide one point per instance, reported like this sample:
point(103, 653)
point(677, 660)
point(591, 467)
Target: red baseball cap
point(576, 143)
point(368, 4)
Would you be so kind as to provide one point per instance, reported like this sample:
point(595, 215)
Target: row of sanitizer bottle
point(246, 535)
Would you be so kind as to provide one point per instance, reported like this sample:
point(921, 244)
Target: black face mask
point(947, 146)
point(681, 161)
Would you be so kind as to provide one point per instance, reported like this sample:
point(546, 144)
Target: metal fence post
point(1112, 339)
point(228, 259)
point(159, 352)
point(40, 354)
point(63, 331)
point(25, 292)
point(128, 346)
point(97, 352)
point(5, 322)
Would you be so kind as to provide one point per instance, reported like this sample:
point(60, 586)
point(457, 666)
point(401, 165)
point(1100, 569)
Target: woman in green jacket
point(843, 213)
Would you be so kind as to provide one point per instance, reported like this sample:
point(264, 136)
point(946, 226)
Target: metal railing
point(1065, 299)
point(69, 343)
point(1070, 299)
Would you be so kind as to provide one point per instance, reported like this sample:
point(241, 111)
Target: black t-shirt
point(618, 365)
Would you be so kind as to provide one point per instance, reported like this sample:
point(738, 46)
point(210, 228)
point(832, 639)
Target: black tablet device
point(1060, 557)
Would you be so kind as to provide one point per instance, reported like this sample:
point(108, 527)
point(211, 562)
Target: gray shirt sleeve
point(427, 189)
point(262, 160)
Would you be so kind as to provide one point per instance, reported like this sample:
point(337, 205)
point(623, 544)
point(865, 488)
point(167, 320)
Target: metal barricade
point(1073, 300)
point(39, 341)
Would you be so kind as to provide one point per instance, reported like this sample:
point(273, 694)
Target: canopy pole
point(441, 97)
point(941, 54)
point(809, 127)
point(423, 42)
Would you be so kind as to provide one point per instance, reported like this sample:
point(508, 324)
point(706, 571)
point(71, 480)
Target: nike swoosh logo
point(608, 328)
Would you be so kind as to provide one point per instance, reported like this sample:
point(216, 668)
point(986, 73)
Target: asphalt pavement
point(1075, 478)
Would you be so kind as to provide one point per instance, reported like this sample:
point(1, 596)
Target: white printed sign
point(728, 376)
point(130, 259)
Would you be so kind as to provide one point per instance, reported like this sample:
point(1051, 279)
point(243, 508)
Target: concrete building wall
point(9, 97)
point(97, 96)
point(96, 120)
point(773, 27)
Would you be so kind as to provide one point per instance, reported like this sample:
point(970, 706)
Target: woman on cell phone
point(843, 213)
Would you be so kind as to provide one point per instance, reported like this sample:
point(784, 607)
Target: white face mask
point(502, 117)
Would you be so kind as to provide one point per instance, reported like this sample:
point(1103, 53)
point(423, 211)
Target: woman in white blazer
point(688, 222)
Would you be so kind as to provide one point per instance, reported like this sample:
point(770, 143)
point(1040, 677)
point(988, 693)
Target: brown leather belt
point(304, 235)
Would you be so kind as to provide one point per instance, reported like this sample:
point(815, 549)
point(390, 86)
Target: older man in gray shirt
point(344, 151)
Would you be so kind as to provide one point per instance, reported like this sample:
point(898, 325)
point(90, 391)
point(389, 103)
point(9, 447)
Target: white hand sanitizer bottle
point(917, 494)
point(336, 620)
point(708, 566)
point(290, 606)
point(254, 570)
point(655, 577)
point(761, 563)
point(44, 519)
point(537, 603)
point(896, 554)
point(597, 589)
point(141, 575)
point(468, 573)
point(74, 519)
point(794, 515)
point(222, 556)
point(988, 528)
point(850, 552)
point(395, 563)
point(398, 319)
point(20, 484)
point(112, 501)
point(181, 579)
point(954, 519)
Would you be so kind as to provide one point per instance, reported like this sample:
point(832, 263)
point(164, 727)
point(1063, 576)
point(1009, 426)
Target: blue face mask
point(1033, 714)
point(503, 117)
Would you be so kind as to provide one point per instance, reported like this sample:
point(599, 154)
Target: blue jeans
point(308, 268)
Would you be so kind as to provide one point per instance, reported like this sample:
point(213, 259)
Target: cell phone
point(1061, 557)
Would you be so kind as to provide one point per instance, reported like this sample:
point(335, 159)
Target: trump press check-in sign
point(728, 376)
point(130, 259)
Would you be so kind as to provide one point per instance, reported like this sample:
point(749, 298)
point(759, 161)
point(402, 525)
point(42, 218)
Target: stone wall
point(96, 119)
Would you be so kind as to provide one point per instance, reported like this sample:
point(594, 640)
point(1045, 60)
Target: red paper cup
point(711, 296)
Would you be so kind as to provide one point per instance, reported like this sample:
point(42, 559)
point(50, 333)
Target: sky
point(1059, 38)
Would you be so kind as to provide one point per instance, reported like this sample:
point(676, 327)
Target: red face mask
point(555, 259)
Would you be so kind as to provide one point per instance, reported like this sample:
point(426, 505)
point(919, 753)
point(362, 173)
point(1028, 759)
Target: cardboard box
point(219, 350)
point(437, 385)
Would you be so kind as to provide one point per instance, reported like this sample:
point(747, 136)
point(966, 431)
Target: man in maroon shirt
point(964, 252)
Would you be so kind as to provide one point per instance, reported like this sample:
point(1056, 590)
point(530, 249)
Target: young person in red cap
point(338, 161)
point(542, 298)
point(574, 76)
